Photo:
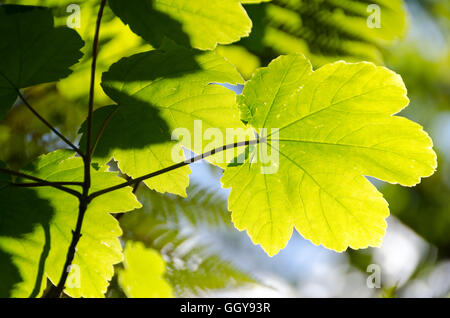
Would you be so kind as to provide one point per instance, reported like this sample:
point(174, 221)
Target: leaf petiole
point(175, 166)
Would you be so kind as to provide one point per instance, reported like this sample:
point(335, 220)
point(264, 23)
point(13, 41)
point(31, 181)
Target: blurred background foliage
point(203, 253)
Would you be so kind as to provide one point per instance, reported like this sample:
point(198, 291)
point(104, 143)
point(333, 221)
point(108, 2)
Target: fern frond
point(202, 207)
point(212, 273)
point(324, 30)
point(178, 227)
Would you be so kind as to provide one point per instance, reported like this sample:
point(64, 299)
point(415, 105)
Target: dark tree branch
point(132, 182)
point(92, 84)
point(57, 290)
point(85, 198)
point(42, 119)
point(57, 185)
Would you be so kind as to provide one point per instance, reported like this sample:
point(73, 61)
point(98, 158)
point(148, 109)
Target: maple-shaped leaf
point(32, 50)
point(158, 92)
point(143, 273)
point(36, 230)
point(201, 24)
point(333, 127)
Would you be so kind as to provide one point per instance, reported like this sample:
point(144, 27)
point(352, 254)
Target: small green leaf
point(335, 126)
point(32, 50)
point(201, 24)
point(143, 275)
point(36, 230)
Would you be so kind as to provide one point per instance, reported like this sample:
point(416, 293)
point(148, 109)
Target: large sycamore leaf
point(335, 127)
point(158, 92)
point(143, 273)
point(32, 50)
point(36, 230)
point(201, 24)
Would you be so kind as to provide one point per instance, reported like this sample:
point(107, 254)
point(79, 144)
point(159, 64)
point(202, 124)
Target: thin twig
point(173, 167)
point(42, 119)
point(56, 185)
point(41, 184)
point(102, 129)
point(92, 84)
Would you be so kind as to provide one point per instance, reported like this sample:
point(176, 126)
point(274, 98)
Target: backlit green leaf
point(335, 127)
point(200, 24)
point(143, 275)
point(36, 229)
point(32, 50)
point(158, 92)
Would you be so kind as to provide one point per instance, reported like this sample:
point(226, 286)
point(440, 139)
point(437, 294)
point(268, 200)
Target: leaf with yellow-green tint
point(334, 126)
point(143, 275)
point(200, 24)
point(36, 230)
